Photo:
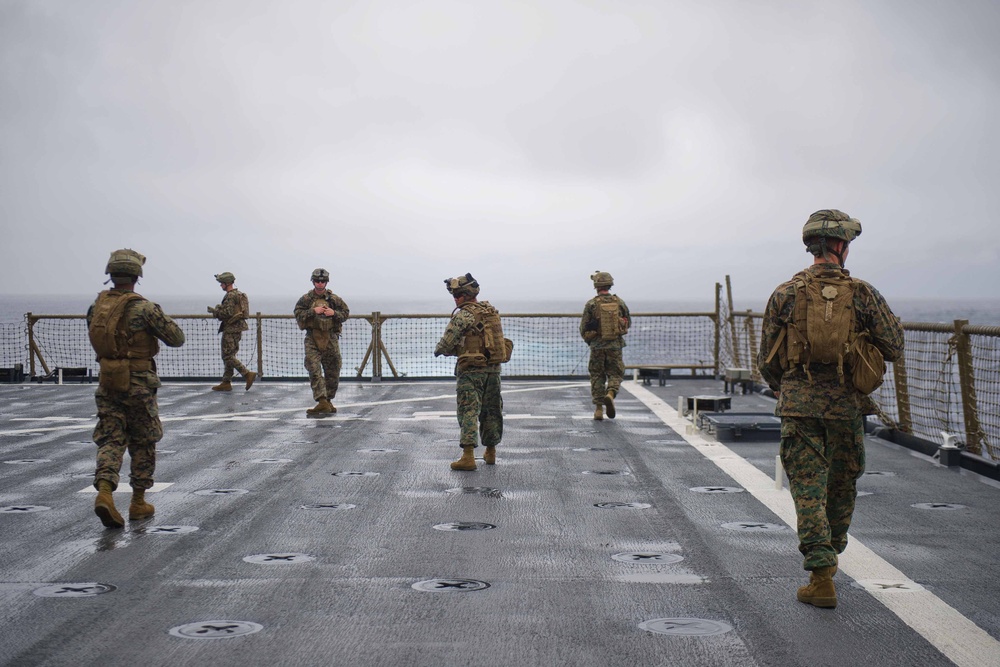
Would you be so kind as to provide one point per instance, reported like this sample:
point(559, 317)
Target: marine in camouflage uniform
point(129, 419)
point(606, 366)
point(232, 323)
point(480, 404)
point(822, 419)
point(322, 314)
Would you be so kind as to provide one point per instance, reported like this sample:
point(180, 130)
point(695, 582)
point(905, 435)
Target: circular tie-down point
point(487, 491)
point(938, 506)
point(216, 629)
point(754, 526)
point(221, 492)
point(376, 450)
point(691, 627)
point(450, 586)
point(280, 558)
point(17, 462)
point(23, 509)
point(616, 505)
point(270, 461)
point(84, 590)
point(300, 442)
point(887, 586)
point(328, 506)
point(168, 530)
point(354, 473)
point(879, 473)
point(717, 489)
point(644, 557)
point(590, 449)
point(607, 472)
point(464, 525)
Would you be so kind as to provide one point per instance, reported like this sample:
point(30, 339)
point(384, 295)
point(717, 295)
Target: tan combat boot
point(820, 592)
point(225, 385)
point(490, 456)
point(250, 377)
point(104, 506)
point(468, 460)
point(598, 412)
point(323, 407)
point(609, 403)
point(139, 508)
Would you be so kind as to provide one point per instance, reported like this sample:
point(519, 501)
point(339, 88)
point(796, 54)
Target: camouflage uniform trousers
point(480, 408)
point(606, 372)
point(127, 421)
point(823, 459)
point(230, 346)
point(322, 363)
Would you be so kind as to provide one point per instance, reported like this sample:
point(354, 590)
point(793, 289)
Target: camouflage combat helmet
point(830, 224)
point(320, 274)
point(225, 278)
point(125, 262)
point(602, 280)
point(462, 286)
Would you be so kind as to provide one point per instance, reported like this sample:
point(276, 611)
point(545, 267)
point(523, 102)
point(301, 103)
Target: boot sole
point(609, 407)
point(823, 603)
point(107, 518)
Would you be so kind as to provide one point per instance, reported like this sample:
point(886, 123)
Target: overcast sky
point(399, 142)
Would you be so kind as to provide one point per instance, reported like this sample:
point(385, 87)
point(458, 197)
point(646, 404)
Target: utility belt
point(116, 374)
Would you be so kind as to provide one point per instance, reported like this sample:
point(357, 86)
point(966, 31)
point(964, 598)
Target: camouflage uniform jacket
point(452, 341)
point(145, 315)
point(824, 396)
point(590, 326)
point(309, 320)
point(230, 314)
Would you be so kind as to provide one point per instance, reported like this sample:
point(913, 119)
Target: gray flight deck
point(589, 543)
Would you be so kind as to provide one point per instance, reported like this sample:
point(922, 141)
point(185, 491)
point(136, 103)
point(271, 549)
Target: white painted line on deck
point(125, 488)
point(958, 638)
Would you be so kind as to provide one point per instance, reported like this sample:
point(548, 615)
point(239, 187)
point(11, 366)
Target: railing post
point(260, 345)
point(751, 352)
point(376, 346)
point(967, 383)
point(905, 421)
point(31, 345)
point(718, 325)
point(732, 324)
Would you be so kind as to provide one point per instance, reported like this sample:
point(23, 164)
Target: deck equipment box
point(742, 426)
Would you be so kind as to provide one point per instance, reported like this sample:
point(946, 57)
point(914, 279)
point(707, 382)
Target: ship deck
point(284, 540)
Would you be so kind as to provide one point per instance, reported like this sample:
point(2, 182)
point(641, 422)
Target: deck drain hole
point(16, 462)
point(606, 472)
point(614, 506)
point(753, 526)
point(23, 509)
point(379, 451)
point(354, 473)
point(883, 586)
point(487, 491)
point(169, 530)
point(464, 525)
point(271, 461)
point(221, 492)
point(279, 558)
point(692, 627)
point(86, 590)
point(589, 449)
point(328, 506)
point(216, 629)
point(647, 557)
point(717, 489)
point(938, 506)
point(450, 585)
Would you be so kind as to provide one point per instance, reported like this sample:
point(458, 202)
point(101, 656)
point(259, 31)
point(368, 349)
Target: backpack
point(110, 340)
point(609, 320)
point(485, 344)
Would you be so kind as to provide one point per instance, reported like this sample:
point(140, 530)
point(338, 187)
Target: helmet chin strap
point(830, 251)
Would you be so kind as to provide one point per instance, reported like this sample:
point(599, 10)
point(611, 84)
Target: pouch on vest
point(867, 364)
point(610, 320)
point(116, 375)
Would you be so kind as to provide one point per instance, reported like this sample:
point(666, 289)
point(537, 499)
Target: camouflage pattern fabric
point(307, 319)
point(230, 346)
point(324, 368)
point(824, 396)
point(131, 420)
point(824, 459)
point(606, 370)
point(227, 311)
point(480, 404)
point(590, 325)
point(480, 408)
point(127, 422)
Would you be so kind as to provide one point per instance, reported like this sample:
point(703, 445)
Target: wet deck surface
point(583, 532)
